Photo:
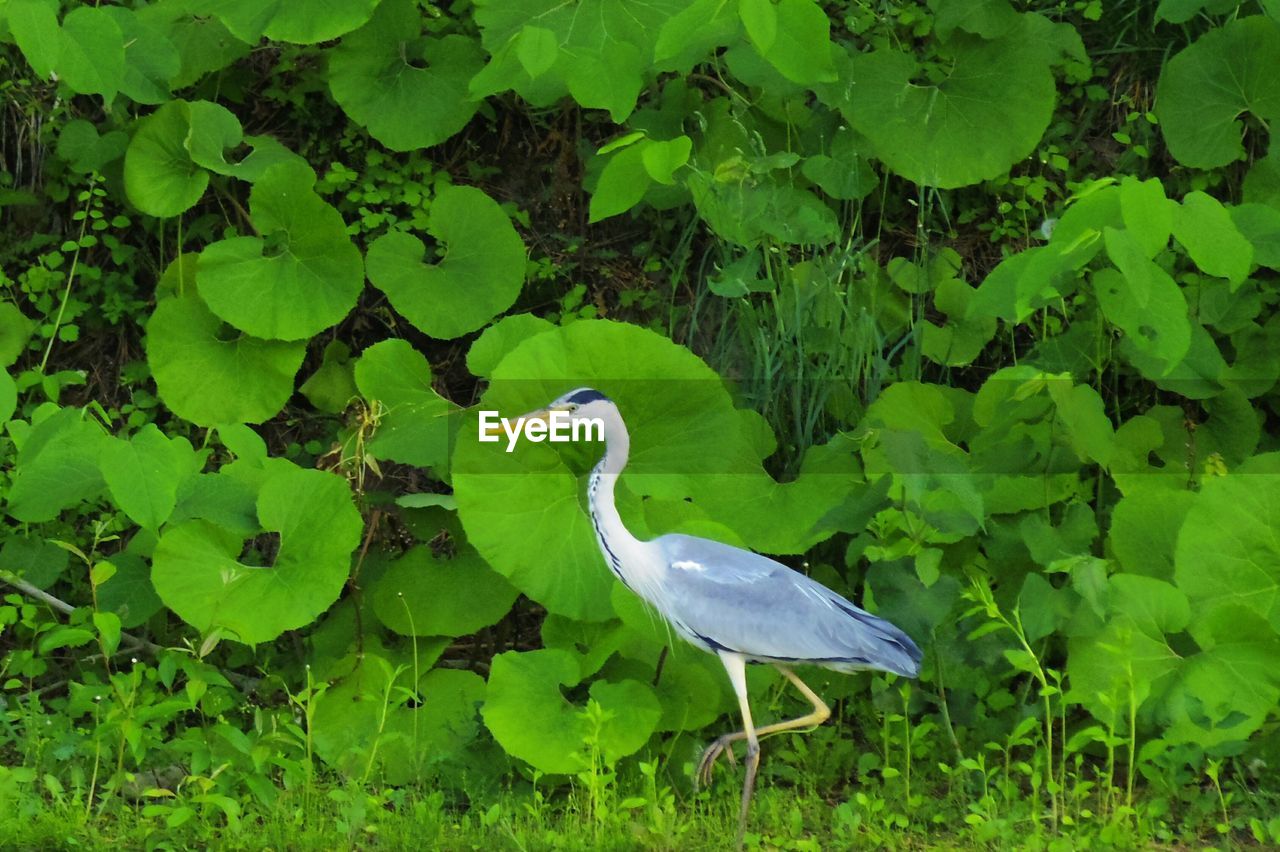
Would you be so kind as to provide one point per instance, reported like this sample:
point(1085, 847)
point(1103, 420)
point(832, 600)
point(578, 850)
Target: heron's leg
point(821, 712)
point(736, 666)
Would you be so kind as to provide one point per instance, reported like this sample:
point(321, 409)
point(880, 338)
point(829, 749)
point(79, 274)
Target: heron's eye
point(573, 407)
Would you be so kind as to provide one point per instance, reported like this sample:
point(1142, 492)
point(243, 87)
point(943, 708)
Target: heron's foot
point(723, 745)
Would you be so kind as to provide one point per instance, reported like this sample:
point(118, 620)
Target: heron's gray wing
point(736, 600)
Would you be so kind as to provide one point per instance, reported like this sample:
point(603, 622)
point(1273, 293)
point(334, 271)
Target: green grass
point(604, 813)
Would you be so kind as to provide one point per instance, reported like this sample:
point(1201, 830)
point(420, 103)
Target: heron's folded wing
point(739, 601)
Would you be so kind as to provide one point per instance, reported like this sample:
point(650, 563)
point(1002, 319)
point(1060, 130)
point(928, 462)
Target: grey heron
point(739, 605)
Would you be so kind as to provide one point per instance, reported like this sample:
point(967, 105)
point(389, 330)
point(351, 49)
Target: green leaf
point(845, 174)
point(129, 593)
point(1143, 300)
point(760, 17)
point(209, 376)
point(314, 21)
point(605, 47)
point(1227, 552)
point(91, 59)
point(1205, 90)
point(968, 126)
point(986, 18)
point(1229, 690)
point(197, 572)
point(661, 159)
point(1260, 225)
point(215, 130)
point(8, 396)
point(150, 60)
point(497, 340)
point(622, 183)
point(748, 212)
point(528, 715)
point(15, 332)
point(143, 474)
point(85, 151)
point(304, 280)
point(159, 175)
point(414, 427)
point(1205, 229)
point(424, 595)
point(353, 724)
point(332, 386)
point(694, 33)
point(1148, 215)
point(537, 49)
point(34, 26)
point(35, 560)
point(203, 43)
point(964, 336)
point(409, 90)
point(57, 466)
point(1144, 530)
point(1262, 183)
point(108, 626)
point(794, 37)
point(1125, 662)
point(480, 276)
point(65, 637)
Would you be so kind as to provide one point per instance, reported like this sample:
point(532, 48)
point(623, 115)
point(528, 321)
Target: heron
point(736, 604)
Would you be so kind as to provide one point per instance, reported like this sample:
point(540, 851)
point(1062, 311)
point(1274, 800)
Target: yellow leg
point(821, 713)
point(735, 665)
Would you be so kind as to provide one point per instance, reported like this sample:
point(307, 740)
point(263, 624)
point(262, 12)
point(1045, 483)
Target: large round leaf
point(159, 175)
point(409, 91)
point(197, 572)
point(530, 718)
point(208, 375)
point(424, 595)
point(352, 720)
point(1206, 89)
point(985, 109)
point(1227, 549)
point(479, 277)
point(297, 279)
point(523, 509)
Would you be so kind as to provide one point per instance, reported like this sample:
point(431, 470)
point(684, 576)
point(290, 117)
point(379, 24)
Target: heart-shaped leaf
point(299, 277)
point(208, 375)
point(424, 595)
point(479, 276)
point(955, 123)
point(1205, 89)
point(198, 572)
point(410, 91)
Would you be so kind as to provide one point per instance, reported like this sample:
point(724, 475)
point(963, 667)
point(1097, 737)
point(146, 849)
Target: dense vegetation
point(967, 307)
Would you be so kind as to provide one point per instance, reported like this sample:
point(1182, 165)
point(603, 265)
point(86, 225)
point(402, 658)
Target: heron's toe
point(709, 757)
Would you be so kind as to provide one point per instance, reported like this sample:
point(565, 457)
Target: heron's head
point(580, 404)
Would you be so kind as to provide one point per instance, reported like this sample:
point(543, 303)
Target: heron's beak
point(542, 415)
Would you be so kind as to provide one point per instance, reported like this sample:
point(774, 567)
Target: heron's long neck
point(620, 547)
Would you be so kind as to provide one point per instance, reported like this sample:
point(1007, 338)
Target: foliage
point(967, 307)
